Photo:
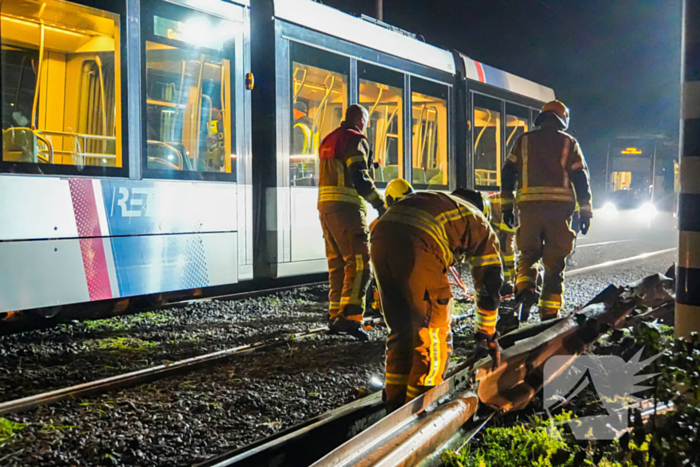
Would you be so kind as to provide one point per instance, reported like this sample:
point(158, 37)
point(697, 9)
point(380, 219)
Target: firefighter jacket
point(344, 177)
point(453, 230)
point(546, 165)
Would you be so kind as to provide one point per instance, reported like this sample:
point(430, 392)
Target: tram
point(152, 147)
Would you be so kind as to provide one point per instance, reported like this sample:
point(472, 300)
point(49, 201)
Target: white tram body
point(136, 162)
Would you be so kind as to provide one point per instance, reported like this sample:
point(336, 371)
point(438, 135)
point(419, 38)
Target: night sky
point(615, 63)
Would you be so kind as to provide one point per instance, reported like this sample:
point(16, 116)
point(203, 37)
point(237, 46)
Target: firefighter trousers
point(346, 234)
point(544, 233)
point(506, 241)
point(416, 301)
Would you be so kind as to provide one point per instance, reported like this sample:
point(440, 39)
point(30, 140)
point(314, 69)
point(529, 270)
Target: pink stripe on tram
point(91, 247)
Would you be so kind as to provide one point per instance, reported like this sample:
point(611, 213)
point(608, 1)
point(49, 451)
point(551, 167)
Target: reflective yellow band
point(585, 207)
point(503, 227)
point(337, 193)
point(564, 161)
point(546, 197)
point(486, 317)
point(535, 190)
point(454, 215)
point(508, 258)
point(359, 270)
point(495, 199)
point(507, 200)
point(351, 300)
point(355, 160)
point(434, 355)
point(396, 379)
point(555, 305)
point(486, 260)
point(522, 279)
point(423, 221)
point(334, 305)
point(512, 157)
point(412, 391)
point(485, 321)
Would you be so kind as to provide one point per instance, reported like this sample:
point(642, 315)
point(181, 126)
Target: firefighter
point(548, 169)
point(412, 247)
point(344, 181)
point(506, 238)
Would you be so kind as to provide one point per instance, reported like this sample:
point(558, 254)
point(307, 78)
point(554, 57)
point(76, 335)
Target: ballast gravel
point(185, 419)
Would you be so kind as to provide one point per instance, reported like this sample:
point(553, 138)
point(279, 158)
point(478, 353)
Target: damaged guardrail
point(419, 428)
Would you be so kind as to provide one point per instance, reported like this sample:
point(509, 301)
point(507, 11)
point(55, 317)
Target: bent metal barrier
point(410, 434)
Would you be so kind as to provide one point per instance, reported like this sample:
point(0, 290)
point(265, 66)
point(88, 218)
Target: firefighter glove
point(509, 218)
point(487, 346)
point(585, 222)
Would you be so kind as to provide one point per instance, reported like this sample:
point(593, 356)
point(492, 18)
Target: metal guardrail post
point(133, 41)
point(687, 317)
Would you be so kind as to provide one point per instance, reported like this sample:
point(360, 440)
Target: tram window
point(429, 138)
point(189, 104)
point(319, 99)
point(384, 100)
point(517, 123)
point(487, 141)
point(61, 87)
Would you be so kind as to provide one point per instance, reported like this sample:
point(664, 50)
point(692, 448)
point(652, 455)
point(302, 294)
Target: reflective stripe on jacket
point(343, 153)
point(541, 166)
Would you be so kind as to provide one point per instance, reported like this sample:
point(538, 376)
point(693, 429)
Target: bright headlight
point(646, 211)
point(608, 210)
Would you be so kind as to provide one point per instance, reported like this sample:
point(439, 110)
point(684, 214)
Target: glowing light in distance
point(646, 211)
point(608, 210)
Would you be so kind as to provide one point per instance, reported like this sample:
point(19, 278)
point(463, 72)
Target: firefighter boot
point(342, 325)
point(486, 345)
point(507, 320)
point(527, 299)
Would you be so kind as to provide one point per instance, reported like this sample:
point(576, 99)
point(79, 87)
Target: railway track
point(148, 375)
point(359, 434)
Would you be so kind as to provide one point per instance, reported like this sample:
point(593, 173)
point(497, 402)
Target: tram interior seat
point(389, 173)
point(19, 145)
point(427, 176)
point(168, 156)
point(434, 177)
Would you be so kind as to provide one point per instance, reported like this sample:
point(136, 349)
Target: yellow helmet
point(397, 189)
point(558, 109)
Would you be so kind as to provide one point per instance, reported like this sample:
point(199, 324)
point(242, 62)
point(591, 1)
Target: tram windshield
point(429, 140)
point(188, 92)
point(60, 78)
point(319, 100)
point(385, 129)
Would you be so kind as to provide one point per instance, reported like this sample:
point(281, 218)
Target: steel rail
point(145, 375)
point(409, 435)
point(617, 262)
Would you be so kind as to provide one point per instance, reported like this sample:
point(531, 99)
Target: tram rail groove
point(147, 375)
point(417, 430)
